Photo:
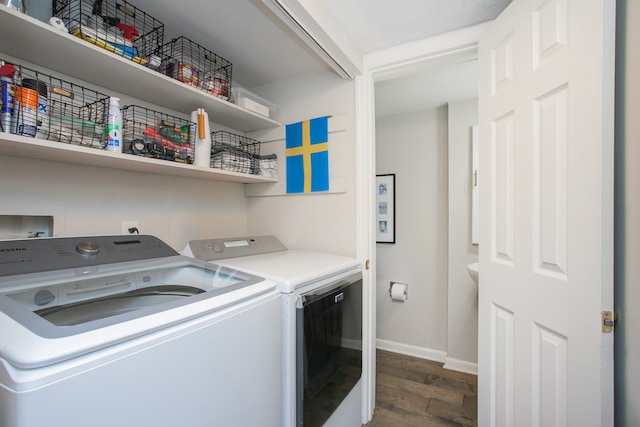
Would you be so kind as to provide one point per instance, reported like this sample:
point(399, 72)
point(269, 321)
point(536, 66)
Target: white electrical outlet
point(126, 225)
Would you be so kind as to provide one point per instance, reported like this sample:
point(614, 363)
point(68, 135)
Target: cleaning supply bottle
point(113, 129)
point(7, 94)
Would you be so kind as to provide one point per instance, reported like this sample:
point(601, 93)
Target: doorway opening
point(432, 55)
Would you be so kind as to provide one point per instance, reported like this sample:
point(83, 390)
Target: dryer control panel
point(214, 249)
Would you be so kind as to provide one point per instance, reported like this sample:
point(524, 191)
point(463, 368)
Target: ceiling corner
point(311, 21)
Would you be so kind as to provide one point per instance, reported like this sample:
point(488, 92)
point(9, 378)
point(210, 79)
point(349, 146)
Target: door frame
point(391, 63)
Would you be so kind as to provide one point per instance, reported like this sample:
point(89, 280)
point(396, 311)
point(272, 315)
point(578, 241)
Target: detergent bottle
point(113, 129)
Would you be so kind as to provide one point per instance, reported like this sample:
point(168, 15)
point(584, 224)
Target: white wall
point(90, 200)
point(414, 147)
point(93, 200)
point(320, 221)
point(627, 242)
point(430, 153)
point(462, 330)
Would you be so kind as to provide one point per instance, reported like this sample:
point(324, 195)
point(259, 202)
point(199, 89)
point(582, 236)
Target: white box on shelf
point(253, 102)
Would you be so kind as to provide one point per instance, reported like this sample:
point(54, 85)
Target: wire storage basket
point(158, 135)
point(116, 26)
point(190, 63)
point(47, 107)
point(235, 153)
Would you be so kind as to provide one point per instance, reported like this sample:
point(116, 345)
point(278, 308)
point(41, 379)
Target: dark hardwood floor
point(417, 392)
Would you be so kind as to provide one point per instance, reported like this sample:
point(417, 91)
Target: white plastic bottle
point(113, 129)
point(203, 138)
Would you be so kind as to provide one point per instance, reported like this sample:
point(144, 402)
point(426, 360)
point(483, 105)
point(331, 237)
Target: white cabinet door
point(546, 215)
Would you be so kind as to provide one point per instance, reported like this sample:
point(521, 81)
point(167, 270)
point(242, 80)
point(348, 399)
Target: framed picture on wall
point(386, 208)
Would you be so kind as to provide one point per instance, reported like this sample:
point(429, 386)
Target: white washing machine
point(123, 331)
point(322, 324)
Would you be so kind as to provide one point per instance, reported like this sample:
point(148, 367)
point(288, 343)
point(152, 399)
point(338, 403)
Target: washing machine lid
point(295, 269)
point(61, 297)
point(265, 256)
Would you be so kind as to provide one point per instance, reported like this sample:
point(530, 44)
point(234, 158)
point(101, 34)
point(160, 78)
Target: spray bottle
point(7, 93)
point(113, 129)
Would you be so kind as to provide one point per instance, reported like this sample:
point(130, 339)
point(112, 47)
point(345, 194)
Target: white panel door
point(546, 215)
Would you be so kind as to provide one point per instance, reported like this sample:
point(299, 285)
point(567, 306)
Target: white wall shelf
point(34, 41)
point(39, 43)
point(21, 146)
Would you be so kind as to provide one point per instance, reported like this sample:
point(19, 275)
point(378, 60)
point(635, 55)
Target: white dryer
point(109, 331)
point(322, 324)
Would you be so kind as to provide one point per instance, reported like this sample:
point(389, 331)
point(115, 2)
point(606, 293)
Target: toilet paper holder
point(402, 290)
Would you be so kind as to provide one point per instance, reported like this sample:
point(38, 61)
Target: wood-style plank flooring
point(417, 392)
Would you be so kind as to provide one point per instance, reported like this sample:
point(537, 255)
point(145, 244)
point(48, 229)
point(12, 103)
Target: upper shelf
point(32, 40)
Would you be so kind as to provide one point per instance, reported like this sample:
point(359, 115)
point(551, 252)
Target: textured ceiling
point(379, 24)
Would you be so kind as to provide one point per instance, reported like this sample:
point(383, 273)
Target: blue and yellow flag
point(308, 156)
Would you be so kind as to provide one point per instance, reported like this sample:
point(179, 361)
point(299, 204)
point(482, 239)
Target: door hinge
point(608, 321)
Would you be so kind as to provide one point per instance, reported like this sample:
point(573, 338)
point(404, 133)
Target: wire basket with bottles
point(39, 105)
point(116, 26)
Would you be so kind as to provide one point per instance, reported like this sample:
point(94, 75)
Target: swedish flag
point(308, 156)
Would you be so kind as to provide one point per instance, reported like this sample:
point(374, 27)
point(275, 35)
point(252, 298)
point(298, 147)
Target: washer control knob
point(218, 247)
point(43, 297)
point(87, 248)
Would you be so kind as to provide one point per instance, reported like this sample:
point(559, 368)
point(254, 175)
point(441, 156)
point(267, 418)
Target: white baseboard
point(412, 350)
point(461, 366)
point(429, 354)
